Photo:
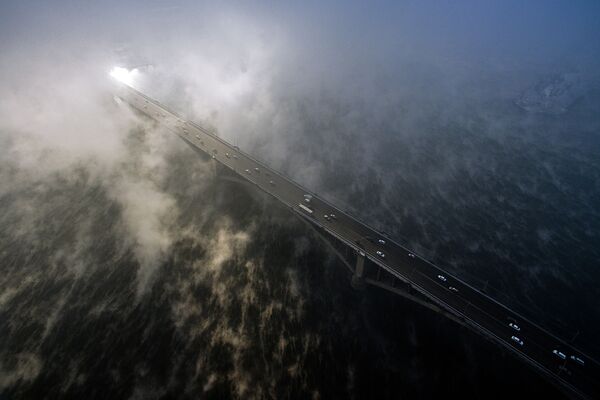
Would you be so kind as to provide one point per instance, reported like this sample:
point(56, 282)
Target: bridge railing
point(483, 288)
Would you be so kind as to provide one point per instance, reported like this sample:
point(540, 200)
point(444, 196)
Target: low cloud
point(60, 122)
point(407, 118)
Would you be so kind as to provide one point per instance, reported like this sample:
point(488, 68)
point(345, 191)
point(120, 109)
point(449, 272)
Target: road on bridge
point(555, 358)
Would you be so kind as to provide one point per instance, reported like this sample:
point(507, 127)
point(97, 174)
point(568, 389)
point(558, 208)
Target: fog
point(243, 67)
point(425, 119)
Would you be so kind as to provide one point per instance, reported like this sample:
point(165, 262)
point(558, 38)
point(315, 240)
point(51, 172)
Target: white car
point(514, 326)
point(578, 360)
point(380, 254)
point(453, 289)
point(256, 169)
point(271, 183)
point(326, 217)
point(227, 155)
point(381, 241)
point(516, 340)
point(559, 354)
point(411, 255)
point(247, 171)
point(333, 216)
point(197, 136)
point(442, 278)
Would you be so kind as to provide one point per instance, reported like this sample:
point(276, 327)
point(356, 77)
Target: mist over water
point(468, 131)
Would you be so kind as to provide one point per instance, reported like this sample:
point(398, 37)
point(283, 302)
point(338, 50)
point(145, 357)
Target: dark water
point(243, 301)
point(275, 319)
point(505, 199)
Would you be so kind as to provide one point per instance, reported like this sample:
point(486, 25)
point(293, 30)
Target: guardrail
point(394, 272)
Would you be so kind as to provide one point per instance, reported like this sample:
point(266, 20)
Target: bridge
point(375, 259)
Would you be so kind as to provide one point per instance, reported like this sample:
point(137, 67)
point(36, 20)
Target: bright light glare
point(124, 75)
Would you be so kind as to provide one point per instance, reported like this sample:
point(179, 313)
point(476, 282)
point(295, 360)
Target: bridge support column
point(358, 281)
point(215, 168)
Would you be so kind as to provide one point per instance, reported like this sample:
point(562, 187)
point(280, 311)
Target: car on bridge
point(307, 210)
point(560, 354)
point(578, 360)
point(516, 340)
point(381, 241)
point(442, 278)
point(514, 326)
point(380, 254)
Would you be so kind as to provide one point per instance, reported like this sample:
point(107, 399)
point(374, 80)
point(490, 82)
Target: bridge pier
point(215, 168)
point(358, 281)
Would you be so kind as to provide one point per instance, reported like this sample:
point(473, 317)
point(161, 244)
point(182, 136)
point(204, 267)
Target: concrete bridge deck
point(470, 306)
